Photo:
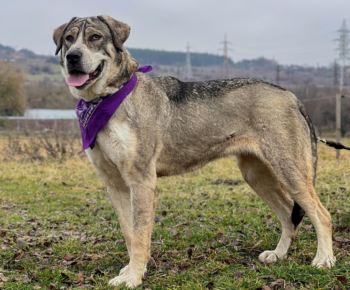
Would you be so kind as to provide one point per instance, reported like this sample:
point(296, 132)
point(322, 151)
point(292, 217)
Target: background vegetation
point(12, 97)
point(43, 85)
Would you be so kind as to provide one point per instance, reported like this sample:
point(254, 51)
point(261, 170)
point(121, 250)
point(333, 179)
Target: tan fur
point(165, 127)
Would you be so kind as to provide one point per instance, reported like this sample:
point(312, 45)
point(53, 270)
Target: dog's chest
point(117, 142)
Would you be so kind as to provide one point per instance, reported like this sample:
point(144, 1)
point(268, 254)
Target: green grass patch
point(58, 230)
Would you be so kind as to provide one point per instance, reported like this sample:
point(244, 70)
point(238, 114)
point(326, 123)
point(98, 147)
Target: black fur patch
point(181, 92)
point(297, 214)
point(312, 136)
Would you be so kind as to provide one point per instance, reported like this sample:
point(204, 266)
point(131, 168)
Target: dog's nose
point(73, 57)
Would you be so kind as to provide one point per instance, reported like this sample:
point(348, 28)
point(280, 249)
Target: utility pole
point(338, 121)
point(278, 75)
point(225, 69)
point(335, 73)
point(188, 68)
point(344, 53)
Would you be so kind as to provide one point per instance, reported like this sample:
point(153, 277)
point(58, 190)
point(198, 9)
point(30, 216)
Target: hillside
point(149, 56)
point(174, 58)
point(205, 66)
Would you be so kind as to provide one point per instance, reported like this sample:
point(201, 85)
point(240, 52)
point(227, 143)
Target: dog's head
point(93, 58)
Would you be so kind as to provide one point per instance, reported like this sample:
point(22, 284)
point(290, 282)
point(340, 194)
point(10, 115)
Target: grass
point(58, 230)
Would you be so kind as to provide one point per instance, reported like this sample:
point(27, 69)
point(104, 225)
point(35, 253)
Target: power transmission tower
point(344, 53)
point(225, 69)
point(188, 68)
point(335, 73)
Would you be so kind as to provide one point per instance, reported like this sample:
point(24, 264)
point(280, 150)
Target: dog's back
point(180, 92)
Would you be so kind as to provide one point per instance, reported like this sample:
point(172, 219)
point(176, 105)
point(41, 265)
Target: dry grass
point(40, 145)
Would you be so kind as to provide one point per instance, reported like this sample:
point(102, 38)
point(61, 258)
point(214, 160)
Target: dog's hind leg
point(321, 219)
point(294, 176)
point(296, 171)
point(265, 184)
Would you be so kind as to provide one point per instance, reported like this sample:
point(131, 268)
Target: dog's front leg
point(143, 203)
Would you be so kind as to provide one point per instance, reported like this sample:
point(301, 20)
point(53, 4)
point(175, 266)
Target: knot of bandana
point(94, 115)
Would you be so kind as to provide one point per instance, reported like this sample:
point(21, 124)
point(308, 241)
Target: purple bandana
point(94, 115)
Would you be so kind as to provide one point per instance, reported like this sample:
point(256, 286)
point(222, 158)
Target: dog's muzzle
point(77, 76)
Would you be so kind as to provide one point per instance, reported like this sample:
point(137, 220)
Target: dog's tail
point(297, 212)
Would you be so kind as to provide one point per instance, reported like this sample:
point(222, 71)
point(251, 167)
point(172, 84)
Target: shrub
point(12, 98)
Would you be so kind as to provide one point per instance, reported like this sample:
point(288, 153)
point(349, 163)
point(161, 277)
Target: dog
point(166, 127)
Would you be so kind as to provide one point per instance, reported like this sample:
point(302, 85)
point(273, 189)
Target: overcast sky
point(290, 31)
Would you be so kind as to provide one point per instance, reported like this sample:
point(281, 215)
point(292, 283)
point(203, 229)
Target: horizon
point(196, 52)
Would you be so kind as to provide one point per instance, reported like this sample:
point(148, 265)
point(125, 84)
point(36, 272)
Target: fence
point(35, 124)
point(337, 98)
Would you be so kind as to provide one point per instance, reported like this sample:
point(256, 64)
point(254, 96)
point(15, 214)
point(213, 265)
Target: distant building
point(50, 114)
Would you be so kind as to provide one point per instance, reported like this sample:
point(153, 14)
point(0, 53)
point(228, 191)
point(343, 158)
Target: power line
point(291, 47)
point(316, 42)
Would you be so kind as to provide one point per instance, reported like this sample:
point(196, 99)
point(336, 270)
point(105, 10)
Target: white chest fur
point(117, 143)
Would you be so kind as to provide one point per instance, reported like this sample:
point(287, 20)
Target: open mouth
point(81, 79)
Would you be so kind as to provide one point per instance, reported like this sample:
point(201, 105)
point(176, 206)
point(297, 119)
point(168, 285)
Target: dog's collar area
point(143, 69)
point(94, 115)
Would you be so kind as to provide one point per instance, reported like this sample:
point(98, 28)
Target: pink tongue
point(77, 80)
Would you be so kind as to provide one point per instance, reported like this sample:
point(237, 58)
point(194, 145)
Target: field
point(59, 231)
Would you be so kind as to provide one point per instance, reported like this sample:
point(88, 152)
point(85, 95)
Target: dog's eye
point(69, 38)
point(95, 37)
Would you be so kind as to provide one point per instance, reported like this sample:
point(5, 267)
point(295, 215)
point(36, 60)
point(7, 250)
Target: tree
point(12, 98)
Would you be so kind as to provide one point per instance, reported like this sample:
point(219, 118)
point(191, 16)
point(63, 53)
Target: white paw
point(268, 257)
point(324, 262)
point(129, 280)
point(127, 266)
point(128, 277)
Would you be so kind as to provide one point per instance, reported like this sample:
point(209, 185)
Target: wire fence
point(337, 98)
point(37, 124)
point(320, 99)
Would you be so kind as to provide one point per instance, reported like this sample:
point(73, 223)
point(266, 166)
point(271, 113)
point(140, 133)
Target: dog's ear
point(58, 35)
point(119, 31)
